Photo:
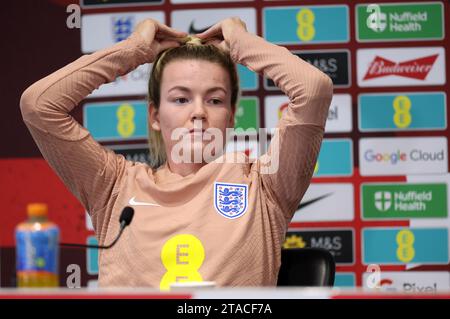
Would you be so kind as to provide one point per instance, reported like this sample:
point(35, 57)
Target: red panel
point(32, 180)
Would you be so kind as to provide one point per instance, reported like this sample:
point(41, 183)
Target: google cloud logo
point(398, 156)
point(371, 156)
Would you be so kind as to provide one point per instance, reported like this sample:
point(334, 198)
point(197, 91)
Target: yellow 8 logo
point(182, 256)
point(405, 241)
point(125, 123)
point(402, 117)
point(305, 20)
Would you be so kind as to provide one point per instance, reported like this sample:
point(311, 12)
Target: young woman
point(221, 221)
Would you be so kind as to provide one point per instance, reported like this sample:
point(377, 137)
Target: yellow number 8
point(306, 30)
point(402, 117)
point(125, 124)
point(405, 241)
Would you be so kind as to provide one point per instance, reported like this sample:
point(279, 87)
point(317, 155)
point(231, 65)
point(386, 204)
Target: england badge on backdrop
point(230, 200)
point(122, 27)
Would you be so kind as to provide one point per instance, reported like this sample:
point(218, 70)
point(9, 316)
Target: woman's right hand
point(220, 33)
point(157, 35)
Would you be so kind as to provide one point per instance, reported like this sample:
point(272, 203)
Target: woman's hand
point(220, 33)
point(159, 36)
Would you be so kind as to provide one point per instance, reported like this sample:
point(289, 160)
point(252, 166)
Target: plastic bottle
point(37, 250)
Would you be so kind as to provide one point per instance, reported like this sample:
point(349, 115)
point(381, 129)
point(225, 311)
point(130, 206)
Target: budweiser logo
point(416, 69)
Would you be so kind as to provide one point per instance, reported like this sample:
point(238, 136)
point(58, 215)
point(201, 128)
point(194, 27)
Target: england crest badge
point(122, 27)
point(230, 200)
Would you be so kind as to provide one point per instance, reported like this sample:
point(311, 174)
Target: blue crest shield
point(122, 27)
point(230, 200)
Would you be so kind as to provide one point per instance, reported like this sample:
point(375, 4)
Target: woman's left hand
point(158, 35)
point(220, 33)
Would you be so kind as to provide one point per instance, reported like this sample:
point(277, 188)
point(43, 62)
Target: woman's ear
point(153, 117)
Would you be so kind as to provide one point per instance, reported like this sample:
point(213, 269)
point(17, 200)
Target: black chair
point(306, 267)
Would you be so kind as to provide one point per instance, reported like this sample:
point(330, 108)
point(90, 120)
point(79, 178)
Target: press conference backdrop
point(379, 193)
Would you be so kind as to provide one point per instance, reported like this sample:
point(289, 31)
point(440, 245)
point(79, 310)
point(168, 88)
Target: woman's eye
point(216, 101)
point(181, 100)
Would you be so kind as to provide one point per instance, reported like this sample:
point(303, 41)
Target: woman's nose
point(199, 111)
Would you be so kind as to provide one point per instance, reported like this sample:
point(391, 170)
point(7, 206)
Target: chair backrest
point(307, 267)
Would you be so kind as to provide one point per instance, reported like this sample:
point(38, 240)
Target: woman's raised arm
point(293, 152)
point(89, 170)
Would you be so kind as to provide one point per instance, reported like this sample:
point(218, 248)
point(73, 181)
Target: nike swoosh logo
point(133, 202)
point(312, 201)
point(193, 30)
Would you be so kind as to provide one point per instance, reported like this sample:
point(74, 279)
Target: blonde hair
point(193, 49)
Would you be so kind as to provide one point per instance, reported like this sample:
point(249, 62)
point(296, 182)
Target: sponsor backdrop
point(379, 194)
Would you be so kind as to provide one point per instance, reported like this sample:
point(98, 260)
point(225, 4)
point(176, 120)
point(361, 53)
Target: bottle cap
point(37, 210)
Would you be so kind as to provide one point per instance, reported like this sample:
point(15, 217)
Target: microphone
point(125, 219)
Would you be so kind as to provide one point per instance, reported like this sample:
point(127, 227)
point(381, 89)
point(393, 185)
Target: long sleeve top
point(224, 223)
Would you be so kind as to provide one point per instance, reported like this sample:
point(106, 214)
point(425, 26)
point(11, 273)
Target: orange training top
point(226, 222)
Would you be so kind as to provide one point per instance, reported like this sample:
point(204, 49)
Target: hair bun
point(190, 39)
